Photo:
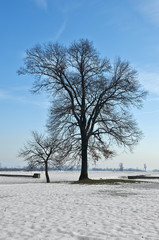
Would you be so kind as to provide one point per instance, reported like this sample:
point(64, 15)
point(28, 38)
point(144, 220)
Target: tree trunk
point(46, 173)
point(84, 167)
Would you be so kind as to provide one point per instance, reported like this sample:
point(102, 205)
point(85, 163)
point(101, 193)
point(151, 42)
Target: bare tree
point(92, 98)
point(145, 166)
point(41, 151)
point(121, 167)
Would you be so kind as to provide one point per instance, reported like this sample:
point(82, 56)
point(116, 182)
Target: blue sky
point(125, 28)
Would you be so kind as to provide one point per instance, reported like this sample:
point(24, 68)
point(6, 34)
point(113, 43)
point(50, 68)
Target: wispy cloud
point(153, 99)
point(150, 80)
point(67, 7)
point(61, 30)
point(41, 3)
point(5, 95)
point(8, 95)
point(150, 112)
point(150, 9)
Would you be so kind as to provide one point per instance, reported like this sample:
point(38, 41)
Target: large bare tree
point(92, 98)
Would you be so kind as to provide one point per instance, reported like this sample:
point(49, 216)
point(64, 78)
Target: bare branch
point(92, 98)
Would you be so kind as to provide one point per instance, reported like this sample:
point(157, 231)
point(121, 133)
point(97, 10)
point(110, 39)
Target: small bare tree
point(41, 151)
point(92, 98)
point(145, 166)
point(121, 167)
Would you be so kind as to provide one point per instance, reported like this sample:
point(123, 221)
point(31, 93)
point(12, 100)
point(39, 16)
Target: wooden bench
point(35, 175)
point(142, 177)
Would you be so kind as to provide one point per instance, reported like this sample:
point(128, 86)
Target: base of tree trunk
point(83, 176)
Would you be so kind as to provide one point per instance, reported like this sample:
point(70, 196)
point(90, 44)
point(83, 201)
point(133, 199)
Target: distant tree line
point(63, 168)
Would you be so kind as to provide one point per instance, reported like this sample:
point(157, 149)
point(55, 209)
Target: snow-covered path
point(40, 211)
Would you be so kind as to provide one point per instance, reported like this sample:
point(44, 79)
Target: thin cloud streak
point(4, 95)
point(150, 80)
point(61, 30)
point(150, 9)
point(155, 99)
point(10, 96)
point(41, 3)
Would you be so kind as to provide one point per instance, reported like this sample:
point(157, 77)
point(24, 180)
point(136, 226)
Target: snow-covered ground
point(32, 209)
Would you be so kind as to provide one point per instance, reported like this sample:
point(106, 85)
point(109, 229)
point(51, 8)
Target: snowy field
point(32, 209)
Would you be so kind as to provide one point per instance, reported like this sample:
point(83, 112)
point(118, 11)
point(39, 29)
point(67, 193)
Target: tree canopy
point(91, 97)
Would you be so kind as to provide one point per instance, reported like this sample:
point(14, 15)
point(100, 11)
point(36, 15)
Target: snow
point(33, 209)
